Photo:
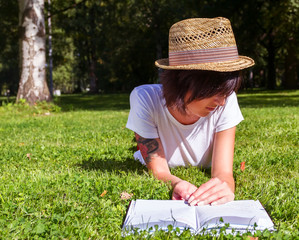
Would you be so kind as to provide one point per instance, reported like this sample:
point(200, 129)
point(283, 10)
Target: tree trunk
point(291, 67)
point(158, 56)
point(33, 86)
point(92, 76)
point(271, 64)
point(93, 80)
point(50, 49)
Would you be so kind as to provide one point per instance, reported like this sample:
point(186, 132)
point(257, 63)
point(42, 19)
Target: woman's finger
point(208, 186)
point(210, 198)
point(218, 190)
point(219, 197)
point(176, 196)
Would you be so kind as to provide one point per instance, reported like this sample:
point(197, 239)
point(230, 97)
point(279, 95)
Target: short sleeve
point(141, 116)
point(229, 115)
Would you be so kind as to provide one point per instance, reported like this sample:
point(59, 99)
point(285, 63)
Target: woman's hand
point(213, 192)
point(182, 190)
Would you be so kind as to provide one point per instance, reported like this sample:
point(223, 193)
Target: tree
point(33, 86)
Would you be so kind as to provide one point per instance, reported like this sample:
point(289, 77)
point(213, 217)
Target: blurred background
point(105, 46)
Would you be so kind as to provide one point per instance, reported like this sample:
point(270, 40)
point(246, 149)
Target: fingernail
point(187, 197)
point(200, 203)
point(190, 199)
point(193, 203)
point(213, 203)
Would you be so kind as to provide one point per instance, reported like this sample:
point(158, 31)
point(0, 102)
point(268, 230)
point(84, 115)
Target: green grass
point(54, 167)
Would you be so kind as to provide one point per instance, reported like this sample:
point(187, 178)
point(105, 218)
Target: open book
point(242, 216)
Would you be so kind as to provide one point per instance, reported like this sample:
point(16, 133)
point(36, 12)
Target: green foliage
point(62, 174)
point(64, 61)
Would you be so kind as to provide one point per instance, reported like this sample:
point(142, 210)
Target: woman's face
point(203, 107)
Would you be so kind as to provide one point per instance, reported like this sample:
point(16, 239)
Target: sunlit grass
point(56, 167)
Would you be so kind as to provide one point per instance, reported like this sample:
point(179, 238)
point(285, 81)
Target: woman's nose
point(220, 100)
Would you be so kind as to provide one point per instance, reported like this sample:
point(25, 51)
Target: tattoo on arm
point(147, 147)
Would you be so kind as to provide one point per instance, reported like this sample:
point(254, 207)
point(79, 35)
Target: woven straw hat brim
point(228, 66)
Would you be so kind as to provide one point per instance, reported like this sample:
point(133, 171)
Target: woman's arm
point(153, 154)
point(220, 188)
point(223, 157)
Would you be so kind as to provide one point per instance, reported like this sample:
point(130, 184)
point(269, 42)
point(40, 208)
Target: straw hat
point(203, 44)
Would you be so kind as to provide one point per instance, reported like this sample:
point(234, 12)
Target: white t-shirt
point(183, 145)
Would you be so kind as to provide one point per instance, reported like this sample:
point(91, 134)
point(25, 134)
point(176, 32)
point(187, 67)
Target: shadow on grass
point(110, 165)
point(252, 99)
point(249, 98)
point(266, 99)
point(102, 102)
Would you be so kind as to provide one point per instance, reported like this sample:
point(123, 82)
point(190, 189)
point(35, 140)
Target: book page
point(239, 214)
point(148, 213)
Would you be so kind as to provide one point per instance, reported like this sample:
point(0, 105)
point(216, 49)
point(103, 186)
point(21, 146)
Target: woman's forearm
point(154, 157)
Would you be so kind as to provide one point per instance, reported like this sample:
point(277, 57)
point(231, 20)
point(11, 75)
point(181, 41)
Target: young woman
point(190, 118)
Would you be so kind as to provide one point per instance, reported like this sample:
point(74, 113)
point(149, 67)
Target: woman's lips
point(211, 108)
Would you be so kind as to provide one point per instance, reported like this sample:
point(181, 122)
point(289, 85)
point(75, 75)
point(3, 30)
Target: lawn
point(64, 167)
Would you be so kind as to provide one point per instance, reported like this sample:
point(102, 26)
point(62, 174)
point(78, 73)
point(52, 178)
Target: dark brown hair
point(201, 84)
